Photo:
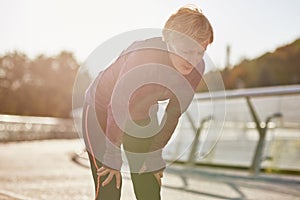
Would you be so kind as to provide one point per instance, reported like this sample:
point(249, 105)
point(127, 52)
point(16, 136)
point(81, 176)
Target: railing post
point(256, 161)
point(191, 158)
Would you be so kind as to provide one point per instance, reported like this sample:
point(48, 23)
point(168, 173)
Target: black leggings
point(146, 186)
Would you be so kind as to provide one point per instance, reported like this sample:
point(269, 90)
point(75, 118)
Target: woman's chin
point(183, 67)
point(185, 70)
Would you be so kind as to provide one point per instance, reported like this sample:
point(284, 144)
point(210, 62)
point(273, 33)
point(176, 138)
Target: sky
point(251, 28)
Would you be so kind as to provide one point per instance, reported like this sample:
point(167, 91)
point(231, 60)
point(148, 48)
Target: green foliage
point(39, 87)
point(281, 67)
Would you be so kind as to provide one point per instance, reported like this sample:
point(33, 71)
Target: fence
point(20, 128)
point(249, 127)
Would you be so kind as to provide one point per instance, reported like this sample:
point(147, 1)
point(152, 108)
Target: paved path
point(41, 170)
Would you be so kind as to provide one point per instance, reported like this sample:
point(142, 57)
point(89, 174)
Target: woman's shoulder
point(150, 43)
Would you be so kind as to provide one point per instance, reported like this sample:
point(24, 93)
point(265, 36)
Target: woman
point(122, 102)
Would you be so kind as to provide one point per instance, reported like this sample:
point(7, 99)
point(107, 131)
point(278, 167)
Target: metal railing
point(14, 128)
point(260, 125)
point(20, 128)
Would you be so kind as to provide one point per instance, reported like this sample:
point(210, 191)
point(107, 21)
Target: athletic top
point(140, 77)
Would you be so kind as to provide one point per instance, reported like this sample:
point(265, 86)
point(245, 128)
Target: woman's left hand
point(158, 176)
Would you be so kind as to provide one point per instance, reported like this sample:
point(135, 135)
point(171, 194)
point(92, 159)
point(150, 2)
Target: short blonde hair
point(189, 21)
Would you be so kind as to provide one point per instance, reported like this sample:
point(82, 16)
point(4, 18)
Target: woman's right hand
point(111, 173)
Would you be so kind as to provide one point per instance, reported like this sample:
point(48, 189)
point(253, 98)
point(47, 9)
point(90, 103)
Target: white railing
point(19, 128)
point(262, 109)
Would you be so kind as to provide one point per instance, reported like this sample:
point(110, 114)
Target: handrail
point(34, 119)
point(249, 92)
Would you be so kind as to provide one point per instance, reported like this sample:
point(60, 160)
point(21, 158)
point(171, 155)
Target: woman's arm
point(169, 121)
point(112, 156)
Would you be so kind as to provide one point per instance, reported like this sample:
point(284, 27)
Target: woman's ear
point(204, 44)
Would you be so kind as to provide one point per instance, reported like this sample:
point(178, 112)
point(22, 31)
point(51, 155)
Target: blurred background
point(256, 51)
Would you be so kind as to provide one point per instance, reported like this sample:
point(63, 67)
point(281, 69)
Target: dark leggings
point(146, 186)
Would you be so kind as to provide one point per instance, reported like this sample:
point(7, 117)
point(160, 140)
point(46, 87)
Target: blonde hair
point(188, 20)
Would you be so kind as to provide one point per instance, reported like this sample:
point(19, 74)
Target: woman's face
point(186, 55)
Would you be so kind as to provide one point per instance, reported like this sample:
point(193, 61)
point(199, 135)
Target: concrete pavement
point(38, 170)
